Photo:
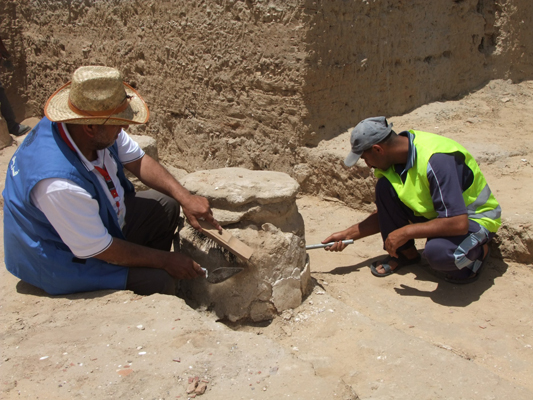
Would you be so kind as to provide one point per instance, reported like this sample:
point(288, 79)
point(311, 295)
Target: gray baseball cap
point(367, 133)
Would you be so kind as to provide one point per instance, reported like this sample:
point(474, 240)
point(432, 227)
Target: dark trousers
point(458, 256)
point(7, 111)
point(151, 220)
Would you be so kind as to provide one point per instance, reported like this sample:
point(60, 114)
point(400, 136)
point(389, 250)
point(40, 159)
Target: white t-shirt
point(73, 212)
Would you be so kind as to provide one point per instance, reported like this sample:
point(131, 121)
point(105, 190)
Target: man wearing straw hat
point(72, 221)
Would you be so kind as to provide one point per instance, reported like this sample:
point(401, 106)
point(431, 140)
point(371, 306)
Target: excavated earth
point(277, 86)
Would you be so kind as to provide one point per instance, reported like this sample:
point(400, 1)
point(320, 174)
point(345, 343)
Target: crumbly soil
point(406, 336)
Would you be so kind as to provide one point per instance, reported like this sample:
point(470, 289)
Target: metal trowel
point(221, 274)
point(225, 239)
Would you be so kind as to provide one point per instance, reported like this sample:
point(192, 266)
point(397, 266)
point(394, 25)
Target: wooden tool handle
point(227, 240)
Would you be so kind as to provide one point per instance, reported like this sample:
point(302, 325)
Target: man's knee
point(147, 281)
point(171, 206)
point(440, 256)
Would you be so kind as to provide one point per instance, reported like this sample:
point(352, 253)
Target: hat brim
point(57, 110)
point(351, 159)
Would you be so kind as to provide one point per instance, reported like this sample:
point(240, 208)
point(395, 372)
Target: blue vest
point(34, 252)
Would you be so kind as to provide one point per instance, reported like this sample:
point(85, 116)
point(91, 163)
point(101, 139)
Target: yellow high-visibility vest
point(481, 204)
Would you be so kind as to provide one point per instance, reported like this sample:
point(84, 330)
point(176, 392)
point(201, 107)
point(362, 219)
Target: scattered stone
point(193, 383)
point(125, 372)
point(201, 388)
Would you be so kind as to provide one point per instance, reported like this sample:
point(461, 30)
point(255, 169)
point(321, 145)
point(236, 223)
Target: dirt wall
point(249, 83)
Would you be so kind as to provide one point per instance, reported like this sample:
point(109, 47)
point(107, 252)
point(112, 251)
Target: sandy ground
point(407, 336)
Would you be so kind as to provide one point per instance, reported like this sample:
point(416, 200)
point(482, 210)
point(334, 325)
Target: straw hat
point(97, 95)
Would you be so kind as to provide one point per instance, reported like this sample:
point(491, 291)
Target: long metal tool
point(322, 245)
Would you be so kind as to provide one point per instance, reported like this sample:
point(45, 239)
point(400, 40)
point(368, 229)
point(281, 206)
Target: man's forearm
point(438, 227)
point(133, 255)
point(127, 254)
point(369, 226)
point(155, 176)
point(452, 226)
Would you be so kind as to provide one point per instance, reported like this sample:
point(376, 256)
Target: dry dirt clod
point(200, 389)
point(193, 383)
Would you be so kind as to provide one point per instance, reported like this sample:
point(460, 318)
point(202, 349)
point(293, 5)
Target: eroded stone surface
point(258, 208)
point(240, 186)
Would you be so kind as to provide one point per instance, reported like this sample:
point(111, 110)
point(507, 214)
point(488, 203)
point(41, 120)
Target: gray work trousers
point(151, 220)
point(457, 256)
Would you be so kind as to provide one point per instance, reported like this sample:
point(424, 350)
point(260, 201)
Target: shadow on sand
point(28, 289)
point(446, 294)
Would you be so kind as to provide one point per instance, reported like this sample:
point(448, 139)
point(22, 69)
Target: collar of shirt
point(411, 155)
point(88, 165)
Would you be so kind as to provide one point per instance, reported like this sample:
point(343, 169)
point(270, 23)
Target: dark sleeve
point(445, 177)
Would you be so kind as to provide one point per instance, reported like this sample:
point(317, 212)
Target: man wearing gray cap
point(72, 220)
point(428, 187)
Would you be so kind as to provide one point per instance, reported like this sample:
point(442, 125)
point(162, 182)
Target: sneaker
point(21, 130)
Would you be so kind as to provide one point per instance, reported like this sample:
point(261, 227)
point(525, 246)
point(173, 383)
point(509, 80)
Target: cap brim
point(352, 159)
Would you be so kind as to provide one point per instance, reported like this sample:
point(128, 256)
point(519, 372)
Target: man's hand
point(197, 207)
point(438, 227)
point(395, 240)
point(337, 238)
point(127, 254)
point(180, 266)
